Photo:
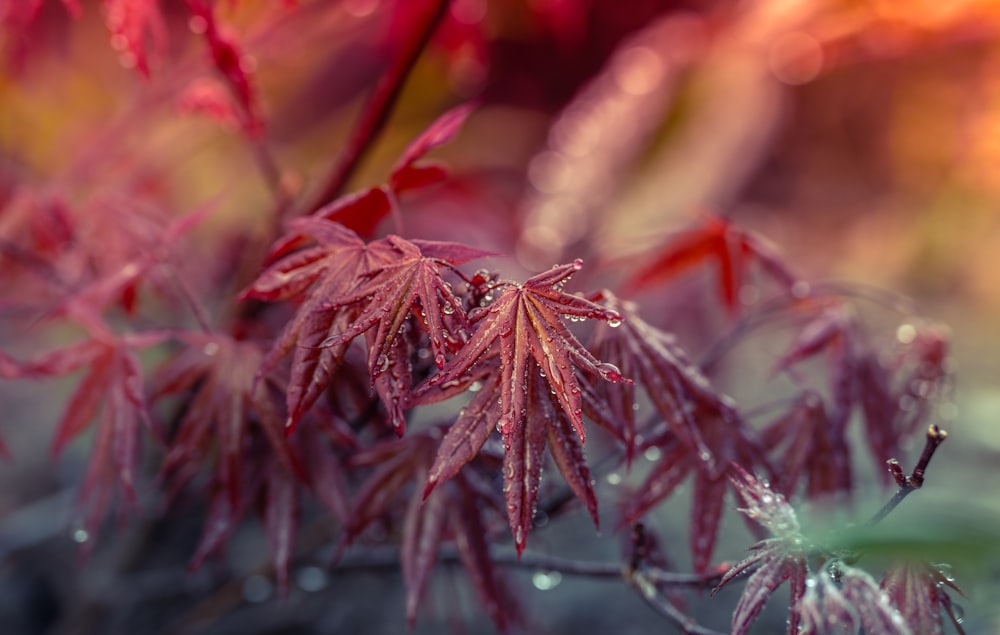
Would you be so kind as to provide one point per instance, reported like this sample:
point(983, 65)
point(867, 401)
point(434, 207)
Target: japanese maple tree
point(381, 393)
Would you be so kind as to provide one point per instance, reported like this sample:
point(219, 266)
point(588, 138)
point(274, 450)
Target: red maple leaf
point(523, 328)
point(225, 402)
point(703, 431)
point(330, 269)
point(453, 512)
point(351, 288)
point(715, 239)
point(111, 392)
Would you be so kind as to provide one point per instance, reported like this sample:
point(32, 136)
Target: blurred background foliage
point(861, 136)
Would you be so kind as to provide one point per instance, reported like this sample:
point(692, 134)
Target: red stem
point(376, 111)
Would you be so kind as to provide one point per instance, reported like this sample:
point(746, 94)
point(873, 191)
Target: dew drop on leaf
point(382, 364)
point(476, 386)
point(546, 580)
point(614, 322)
point(609, 372)
point(447, 308)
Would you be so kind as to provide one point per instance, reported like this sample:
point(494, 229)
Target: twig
point(376, 110)
point(649, 593)
point(908, 484)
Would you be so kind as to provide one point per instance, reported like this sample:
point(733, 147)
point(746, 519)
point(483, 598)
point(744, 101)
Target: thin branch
point(908, 484)
point(377, 109)
point(649, 593)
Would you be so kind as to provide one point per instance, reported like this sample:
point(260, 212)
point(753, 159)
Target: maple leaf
point(225, 401)
point(453, 512)
point(917, 589)
point(524, 329)
point(774, 560)
point(352, 288)
point(410, 289)
point(276, 491)
point(328, 270)
point(111, 392)
point(716, 238)
point(703, 433)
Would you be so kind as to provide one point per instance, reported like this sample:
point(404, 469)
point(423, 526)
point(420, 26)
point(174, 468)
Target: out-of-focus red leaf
point(811, 447)
point(524, 328)
point(110, 393)
point(226, 400)
point(451, 511)
point(281, 509)
point(137, 31)
point(715, 239)
point(438, 133)
point(210, 98)
point(231, 63)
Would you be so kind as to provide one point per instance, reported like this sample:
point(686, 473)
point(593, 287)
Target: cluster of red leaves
point(251, 429)
point(892, 392)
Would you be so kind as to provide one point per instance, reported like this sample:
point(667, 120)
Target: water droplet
point(80, 535)
point(958, 612)
point(946, 570)
point(614, 322)
point(613, 478)
point(652, 454)
point(609, 372)
point(578, 264)
point(546, 580)
point(476, 386)
point(439, 360)
point(447, 308)
point(811, 582)
point(257, 589)
point(519, 536)
point(382, 363)
point(311, 579)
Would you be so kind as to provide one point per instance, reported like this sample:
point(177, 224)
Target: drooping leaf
point(452, 512)
point(524, 329)
point(703, 432)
